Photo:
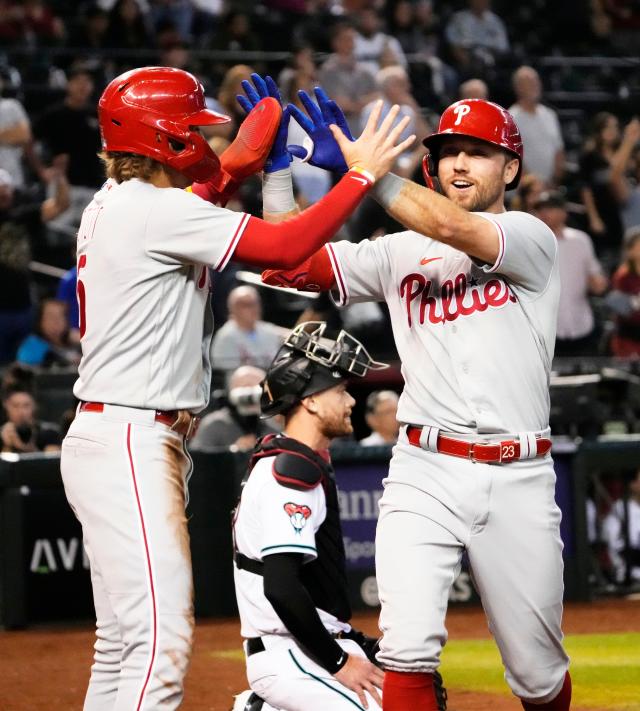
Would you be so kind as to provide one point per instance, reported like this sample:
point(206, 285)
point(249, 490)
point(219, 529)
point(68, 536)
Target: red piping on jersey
point(338, 275)
point(287, 244)
point(233, 243)
point(154, 643)
point(502, 247)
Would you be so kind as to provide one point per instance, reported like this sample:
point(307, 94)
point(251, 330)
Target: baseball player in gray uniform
point(473, 295)
point(145, 246)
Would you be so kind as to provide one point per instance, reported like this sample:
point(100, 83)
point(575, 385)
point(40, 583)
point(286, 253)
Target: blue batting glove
point(325, 154)
point(279, 157)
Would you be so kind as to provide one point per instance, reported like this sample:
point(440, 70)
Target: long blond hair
point(125, 166)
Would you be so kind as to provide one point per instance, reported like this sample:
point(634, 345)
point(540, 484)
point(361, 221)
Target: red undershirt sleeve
point(286, 244)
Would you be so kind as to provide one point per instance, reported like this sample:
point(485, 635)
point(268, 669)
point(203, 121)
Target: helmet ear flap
point(430, 172)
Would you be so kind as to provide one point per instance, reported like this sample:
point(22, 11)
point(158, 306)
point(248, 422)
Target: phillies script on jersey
point(456, 297)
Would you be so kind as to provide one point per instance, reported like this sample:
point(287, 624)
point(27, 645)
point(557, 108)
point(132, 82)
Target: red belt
point(180, 421)
point(507, 450)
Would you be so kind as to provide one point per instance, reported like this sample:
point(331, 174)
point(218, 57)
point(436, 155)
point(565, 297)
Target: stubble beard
point(482, 199)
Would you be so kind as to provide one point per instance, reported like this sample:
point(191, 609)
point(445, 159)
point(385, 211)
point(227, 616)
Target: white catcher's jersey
point(475, 340)
point(143, 290)
point(272, 518)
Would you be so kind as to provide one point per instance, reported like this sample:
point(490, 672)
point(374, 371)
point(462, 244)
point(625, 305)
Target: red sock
point(561, 702)
point(403, 691)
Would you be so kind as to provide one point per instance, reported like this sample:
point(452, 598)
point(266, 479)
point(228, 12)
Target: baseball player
point(473, 295)
point(144, 249)
point(290, 575)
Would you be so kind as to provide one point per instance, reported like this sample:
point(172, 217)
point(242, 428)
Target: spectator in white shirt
point(580, 276)
point(539, 127)
point(374, 48)
point(381, 409)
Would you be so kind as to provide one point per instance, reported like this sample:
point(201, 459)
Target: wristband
point(387, 189)
point(339, 662)
point(277, 192)
point(365, 173)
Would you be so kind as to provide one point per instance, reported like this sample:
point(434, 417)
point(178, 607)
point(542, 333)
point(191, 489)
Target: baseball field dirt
point(46, 668)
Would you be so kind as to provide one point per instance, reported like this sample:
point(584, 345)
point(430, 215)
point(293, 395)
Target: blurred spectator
point(527, 193)
point(624, 179)
point(621, 530)
point(418, 30)
point(603, 213)
point(344, 79)
point(18, 374)
point(71, 129)
point(175, 13)
point(301, 73)
point(91, 29)
point(50, 344)
point(22, 432)
point(21, 215)
point(374, 48)
point(476, 36)
point(236, 425)
point(235, 34)
point(226, 103)
point(473, 89)
point(66, 293)
point(380, 414)
point(395, 88)
point(539, 127)
point(15, 133)
point(128, 27)
point(624, 300)
point(245, 339)
point(580, 275)
point(30, 23)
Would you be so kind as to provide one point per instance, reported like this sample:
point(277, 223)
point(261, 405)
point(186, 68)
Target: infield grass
point(605, 669)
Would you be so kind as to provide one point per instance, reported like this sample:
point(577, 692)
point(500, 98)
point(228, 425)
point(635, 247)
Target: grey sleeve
point(528, 250)
point(358, 270)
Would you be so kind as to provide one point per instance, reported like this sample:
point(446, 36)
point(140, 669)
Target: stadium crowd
point(579, 118)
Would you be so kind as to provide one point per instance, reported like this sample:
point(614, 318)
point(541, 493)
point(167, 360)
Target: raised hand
point(325, 152)
point(375, 150)
point(279, 158)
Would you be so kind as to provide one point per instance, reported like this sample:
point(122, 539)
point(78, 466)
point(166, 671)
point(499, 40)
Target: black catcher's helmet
point(307, 363)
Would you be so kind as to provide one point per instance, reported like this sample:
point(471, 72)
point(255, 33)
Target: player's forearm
point(433, 215)
point(289, 243)
point(294, 606)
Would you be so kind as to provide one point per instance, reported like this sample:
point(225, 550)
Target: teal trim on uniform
point(317, 678)
point(289, 545)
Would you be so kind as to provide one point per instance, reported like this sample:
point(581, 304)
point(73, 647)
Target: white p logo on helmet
point(461, 111)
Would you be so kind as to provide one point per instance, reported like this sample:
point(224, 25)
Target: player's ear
point(309, 404)
point(510, 170)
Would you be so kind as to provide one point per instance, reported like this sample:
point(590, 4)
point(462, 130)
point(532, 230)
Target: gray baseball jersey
point(143, 291)
point(475, 340)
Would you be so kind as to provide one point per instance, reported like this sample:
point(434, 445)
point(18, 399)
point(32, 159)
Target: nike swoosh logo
point(360, 180)
point(430, 259)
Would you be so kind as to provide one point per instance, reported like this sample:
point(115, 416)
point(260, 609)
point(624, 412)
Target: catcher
point(290, 572)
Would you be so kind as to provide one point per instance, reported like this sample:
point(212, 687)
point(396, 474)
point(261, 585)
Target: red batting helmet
point(480, 119)
point(151, 112)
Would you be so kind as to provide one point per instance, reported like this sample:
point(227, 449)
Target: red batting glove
point(314, 274)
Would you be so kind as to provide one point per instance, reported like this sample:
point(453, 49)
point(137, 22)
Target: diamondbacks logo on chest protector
point(460, 296)
point(298, 515)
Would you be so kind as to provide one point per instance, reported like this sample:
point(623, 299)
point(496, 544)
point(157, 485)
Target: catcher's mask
point(475, 118)
point(308, 363)
point(154, 112)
